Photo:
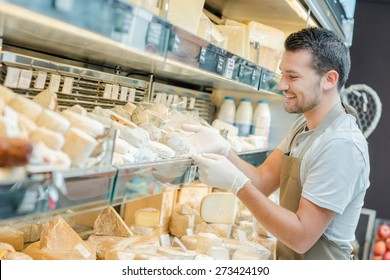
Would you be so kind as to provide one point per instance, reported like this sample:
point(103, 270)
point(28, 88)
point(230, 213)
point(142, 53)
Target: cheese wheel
point(50, 138)
point(53, 121)
point(78, 145)
point(219, 208)
point(6, 94)
point(84, 123)
point(26, 107)
point(46, 99)
point(109, 222)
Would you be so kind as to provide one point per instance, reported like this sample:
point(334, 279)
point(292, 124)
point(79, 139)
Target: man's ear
point(330, 79)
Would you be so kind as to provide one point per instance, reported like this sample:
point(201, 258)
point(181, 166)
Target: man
point(321, 166)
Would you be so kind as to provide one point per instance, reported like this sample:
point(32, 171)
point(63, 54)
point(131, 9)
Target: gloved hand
point(216, 170)
point(207, 139)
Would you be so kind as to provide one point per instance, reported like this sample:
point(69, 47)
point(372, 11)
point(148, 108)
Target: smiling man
point(321, 166)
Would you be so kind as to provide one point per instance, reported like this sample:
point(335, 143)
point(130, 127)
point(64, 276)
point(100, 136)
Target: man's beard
point(299, 108)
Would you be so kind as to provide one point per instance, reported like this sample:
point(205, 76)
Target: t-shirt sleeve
point(332, 174)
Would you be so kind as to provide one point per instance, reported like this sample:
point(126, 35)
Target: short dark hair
point(328, 50)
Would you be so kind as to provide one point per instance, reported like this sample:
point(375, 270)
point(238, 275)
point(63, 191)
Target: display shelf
point(150, 45)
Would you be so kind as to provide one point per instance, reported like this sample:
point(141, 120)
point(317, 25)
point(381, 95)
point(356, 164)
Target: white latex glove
point(216, 170)
point(207, 139)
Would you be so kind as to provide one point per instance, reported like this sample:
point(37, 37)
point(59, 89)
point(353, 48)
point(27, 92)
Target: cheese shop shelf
point(47, 193)
point(126, 38)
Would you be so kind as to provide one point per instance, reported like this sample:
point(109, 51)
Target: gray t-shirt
point(335, 175)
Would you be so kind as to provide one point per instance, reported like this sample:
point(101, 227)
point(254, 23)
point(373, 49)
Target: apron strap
point(332, 115)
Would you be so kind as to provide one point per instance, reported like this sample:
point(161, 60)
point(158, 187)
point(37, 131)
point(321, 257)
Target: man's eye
point(293, 77)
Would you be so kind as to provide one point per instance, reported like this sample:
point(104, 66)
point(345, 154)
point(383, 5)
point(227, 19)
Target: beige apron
point(291, 190)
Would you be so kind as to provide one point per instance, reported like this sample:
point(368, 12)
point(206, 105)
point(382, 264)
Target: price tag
point(124, 92)
point(25, 79)
point(175, 99)
point(12, 78)
point(131, 95)
point(164, 240)
point(169, 100)
point(115, 92)
point(229, 68)
point(192, 103)
point(107, 91)
point(40, 80)
point(242, 236)
point(67, 87)
point(163, 98)
point(184, 102)
point(177, 241)
point(54, 84)
point(190, 231)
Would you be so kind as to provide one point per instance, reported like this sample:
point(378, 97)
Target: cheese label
point(83, 251)
point(54, 84)
point(131, 97)
point(25, 79)
point(68, 85)
point(123, 95)
point(115, 92)
point(107, 91)
point(40, 80)
point(164, 240)
point(12, 78)
point(178, 242)
point(242, 236)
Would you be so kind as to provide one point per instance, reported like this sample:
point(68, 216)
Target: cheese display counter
point(105, 86)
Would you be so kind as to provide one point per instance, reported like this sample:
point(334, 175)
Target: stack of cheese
point(61, 139)
point(60, 242)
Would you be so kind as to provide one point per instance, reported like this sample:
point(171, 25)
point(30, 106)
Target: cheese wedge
point(150, 256)
point(218, 253)
point(180, 224)
point(219, 208)
point(119, 255)
point(189, 241)
point(110, 223)
point(104, 243)
point(86, 124)
point(192, 195)
point(59, 236)
point(206, 240)
point(51, 139)
point(251, 251)
point(37, 253)
point(15, 256)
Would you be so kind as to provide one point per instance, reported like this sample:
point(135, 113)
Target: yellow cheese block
point(150, 256)
point(205, 241)
point(13, 237)
point(180, 224)
point(58, 235)
point(147, 217)
point(110, 223)
point(119, 255)
point(189, 241)
point(219, 208)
